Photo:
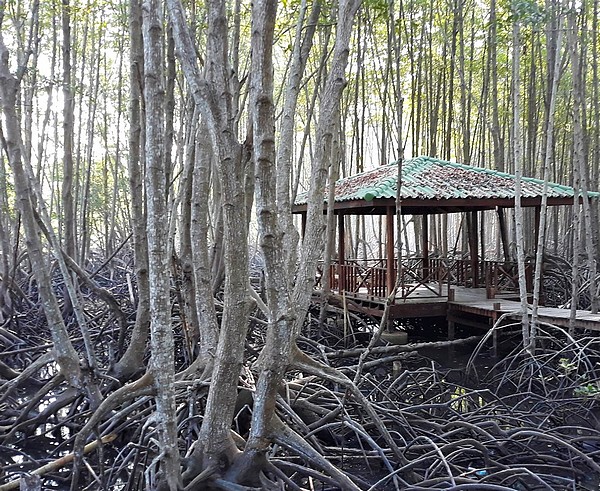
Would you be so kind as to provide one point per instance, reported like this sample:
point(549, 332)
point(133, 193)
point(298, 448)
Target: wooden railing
point(369, 277)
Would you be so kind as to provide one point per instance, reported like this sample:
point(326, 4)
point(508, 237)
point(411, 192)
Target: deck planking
point(467, 303)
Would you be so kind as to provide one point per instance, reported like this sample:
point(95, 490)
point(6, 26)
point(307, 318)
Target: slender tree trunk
point(300, 54)
point(132, 360)
point(496, 130)
point(312, 244)
point(518, 160)
point(275, 355)
point(66, 356)
point(162, 363)
point(214, 100)
point(68, 123)
point(553, 49)
point(580, 151)
point(205, 304)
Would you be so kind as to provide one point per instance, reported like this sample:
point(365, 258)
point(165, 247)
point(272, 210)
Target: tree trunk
point(214, 100)
point(553, 49)
point(132, 360)
point(312, 244)
point(518, 162)
point(162, 363)
point(300, 54)
point(275, 355)
point(65, 355)
point(580, 151)
point(496, 130)
point(68, 123)
point(205, 302)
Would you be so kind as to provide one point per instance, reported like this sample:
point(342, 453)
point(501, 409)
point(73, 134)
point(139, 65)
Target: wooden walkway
point(470, 306)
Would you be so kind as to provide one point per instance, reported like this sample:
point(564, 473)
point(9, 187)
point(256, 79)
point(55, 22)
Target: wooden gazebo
point(429, 186)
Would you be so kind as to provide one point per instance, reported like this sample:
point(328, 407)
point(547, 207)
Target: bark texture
point(162, 363)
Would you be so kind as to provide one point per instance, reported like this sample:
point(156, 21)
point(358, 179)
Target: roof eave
point(415, 206)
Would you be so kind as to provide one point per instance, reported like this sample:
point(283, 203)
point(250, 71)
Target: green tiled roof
point(433, 179)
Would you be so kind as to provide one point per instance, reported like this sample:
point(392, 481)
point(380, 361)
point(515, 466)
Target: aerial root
point(142, 386)
point(25, 376)
point(306, 364)
point(283, 435)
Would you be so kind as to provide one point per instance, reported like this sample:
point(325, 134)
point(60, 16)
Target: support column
point(482, 235)
point(425, 232)
point(341, 252)
point(389, 250)
point(536, 232)
point(473, 246)
point(451, 330)
point(303, 224)
point(530, 268)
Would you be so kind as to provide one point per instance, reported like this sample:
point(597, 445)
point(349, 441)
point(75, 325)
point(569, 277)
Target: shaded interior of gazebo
point(429, 187)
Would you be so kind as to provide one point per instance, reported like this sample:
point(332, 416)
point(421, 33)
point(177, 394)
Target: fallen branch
point(388, 350)
point(61, 462)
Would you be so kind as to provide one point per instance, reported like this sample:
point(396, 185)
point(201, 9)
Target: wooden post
point(493, 320)
point(341, 252)
point(451, 330)
point(389, 249)
point(538, 213)
point(473, 246)
point(482, 235)
point(425, 234)
point(303, 225)
point(495, 342)
point(538, 219)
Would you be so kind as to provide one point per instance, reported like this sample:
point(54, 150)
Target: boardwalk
point(474, 301)
point(470, 306)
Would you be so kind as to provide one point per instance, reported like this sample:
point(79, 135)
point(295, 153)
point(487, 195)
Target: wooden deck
point(470, 306)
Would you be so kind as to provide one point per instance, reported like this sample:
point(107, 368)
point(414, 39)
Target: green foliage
point(528, 12)
point(567, 366)
point(570, 368)
point(591, 389)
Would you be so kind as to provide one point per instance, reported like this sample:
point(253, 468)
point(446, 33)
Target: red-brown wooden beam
point(473, 246)
point(341, 252)
point(425, 236)
point(389, 250)
point(417, 206)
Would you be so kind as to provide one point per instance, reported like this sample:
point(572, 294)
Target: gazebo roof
point(432, 183)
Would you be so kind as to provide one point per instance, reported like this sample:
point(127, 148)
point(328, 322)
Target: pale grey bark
point(205, 303)
point(5, 245)
point(275, 355)
point(67, 201)
point(580, 159)
point(498, 141)
point(554, 33)
point(312, 244)
point(85, 166)
point(213, 97)
point(132, 360)
point(187, 298)
point(162, 362)
point(65, 355)
point(302, 46)
point(330, 242)
point(518, 162)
